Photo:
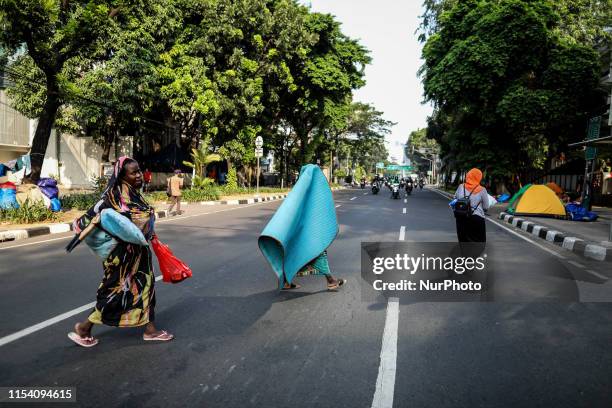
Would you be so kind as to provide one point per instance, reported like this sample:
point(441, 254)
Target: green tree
point(500, 105)
point(54, 33)
point(200, 158)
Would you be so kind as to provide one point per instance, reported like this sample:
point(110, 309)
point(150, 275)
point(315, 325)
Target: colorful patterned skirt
point(126, 296)
point(320, 266)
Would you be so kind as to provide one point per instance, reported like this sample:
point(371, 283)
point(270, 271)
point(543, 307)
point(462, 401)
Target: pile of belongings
point(8, 196)
point(48, 187)
point(576, 212)
point(15, 170)
point(14, 192)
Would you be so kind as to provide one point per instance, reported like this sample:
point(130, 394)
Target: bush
point(28, 212)
point(208, 193)
point(79, 201)
point(232, 180)
point(156, 196)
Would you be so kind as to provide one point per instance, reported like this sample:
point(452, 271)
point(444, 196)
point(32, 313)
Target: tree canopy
point(227, 70)
point(510, 84)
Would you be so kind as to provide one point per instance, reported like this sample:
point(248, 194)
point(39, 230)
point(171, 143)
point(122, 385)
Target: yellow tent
point(538, 200)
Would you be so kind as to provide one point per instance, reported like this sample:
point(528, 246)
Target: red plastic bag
point(173, 269)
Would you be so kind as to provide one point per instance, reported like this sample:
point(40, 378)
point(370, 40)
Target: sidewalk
point(58, 228)
point(587, 239)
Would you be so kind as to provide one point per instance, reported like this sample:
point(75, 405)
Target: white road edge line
point(49, 322)
point(550, 251)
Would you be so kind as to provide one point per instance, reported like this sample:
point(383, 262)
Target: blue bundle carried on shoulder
point(114, 227)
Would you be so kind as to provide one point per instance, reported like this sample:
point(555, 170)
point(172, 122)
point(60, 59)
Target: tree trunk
point(42, 135)
point(109, 139)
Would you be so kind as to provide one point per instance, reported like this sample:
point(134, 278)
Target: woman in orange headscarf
point(471, 228)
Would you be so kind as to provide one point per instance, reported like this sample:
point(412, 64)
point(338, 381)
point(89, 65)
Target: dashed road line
point(404, 211)
point(353, 198)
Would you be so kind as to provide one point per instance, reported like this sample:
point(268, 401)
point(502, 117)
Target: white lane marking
point(402, 234)
point(49, 322)
point(404, 211)
point(600, 276)
point(365, 193)
point(339, 205)
point(34, 243)
point(592, 272)
point(550, 251)
point(385, 383)
point(165, 219)
point(353, 198)
point(576, 264)
point(405, 201)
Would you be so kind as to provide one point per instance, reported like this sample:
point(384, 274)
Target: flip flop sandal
point(291, 287)
point(336, 286)
point(83, 341)
point(162, 336)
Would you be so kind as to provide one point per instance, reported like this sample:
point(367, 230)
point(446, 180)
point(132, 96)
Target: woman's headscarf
point(121, 197)
point(472, 181)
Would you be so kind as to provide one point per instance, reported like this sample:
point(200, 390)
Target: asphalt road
point(241, 343)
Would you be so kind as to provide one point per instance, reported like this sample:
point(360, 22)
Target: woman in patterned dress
point(126, 296)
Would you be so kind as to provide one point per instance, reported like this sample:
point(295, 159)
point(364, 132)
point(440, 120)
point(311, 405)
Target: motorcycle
point(409, 188)
point(375, 188)
point(362, 184)
point(395, 191)
point(421, 184)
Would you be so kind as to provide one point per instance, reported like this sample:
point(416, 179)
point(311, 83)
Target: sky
point(387, 28)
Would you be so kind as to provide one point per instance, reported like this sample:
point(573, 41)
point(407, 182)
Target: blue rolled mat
point(121, 227)
point(303, 226)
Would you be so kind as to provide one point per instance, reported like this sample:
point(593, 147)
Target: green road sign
point(398, 167)
point(593, 133)
point(380, 165)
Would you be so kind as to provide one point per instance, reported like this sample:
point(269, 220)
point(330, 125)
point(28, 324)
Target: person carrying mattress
point(126, 296)
point(296, 239)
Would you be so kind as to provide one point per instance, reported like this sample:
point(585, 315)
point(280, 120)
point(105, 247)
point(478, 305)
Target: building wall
point(14, 131)
point(76, 160)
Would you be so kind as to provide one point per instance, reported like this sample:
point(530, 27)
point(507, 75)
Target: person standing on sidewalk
point(175, 183)
point(126, 296)
point(147, 176)
point(471, 226)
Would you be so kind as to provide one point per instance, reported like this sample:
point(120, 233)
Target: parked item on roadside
point(296, 239)
point(126, 296)
point(536, 200)
point(8, 196)
point(48, 187)
point(502, 198)
point(576, 212)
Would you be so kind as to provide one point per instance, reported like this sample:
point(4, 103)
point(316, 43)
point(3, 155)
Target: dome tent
point(537, 200)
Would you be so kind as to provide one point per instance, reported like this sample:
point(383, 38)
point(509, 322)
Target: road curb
point(587, 249)
point(58, 228)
